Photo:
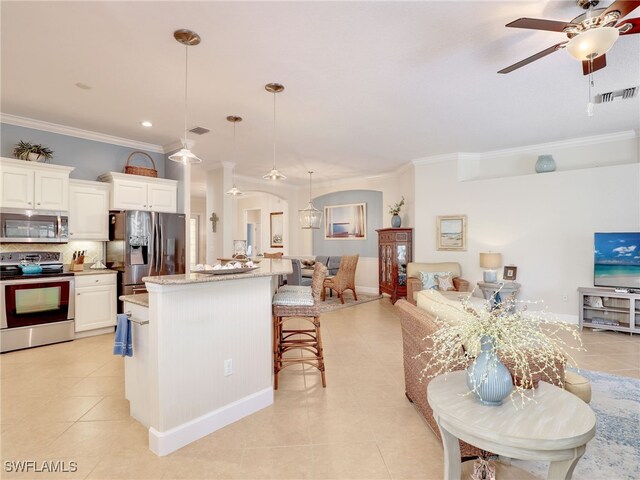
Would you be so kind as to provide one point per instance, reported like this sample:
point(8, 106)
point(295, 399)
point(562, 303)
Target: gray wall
point(90, 158)
point(366, 248)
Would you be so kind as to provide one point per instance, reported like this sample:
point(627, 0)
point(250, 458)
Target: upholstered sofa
point(414, 284)
point(332, 263)
point(417, 324)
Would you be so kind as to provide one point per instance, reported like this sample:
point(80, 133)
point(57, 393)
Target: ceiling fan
point(591, 34)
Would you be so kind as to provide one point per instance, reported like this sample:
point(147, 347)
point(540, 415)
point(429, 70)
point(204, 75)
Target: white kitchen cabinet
point(95, 303)
point(134, 192)
point(88, 210)
point(34, 185)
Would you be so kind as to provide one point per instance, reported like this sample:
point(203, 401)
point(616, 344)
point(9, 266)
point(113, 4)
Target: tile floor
point(66, 402)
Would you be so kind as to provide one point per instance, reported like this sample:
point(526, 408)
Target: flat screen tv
point(617, 260)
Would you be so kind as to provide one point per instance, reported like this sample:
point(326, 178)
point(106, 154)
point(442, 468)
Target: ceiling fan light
point(274, 174)
point(184, 156)
point(592, 43)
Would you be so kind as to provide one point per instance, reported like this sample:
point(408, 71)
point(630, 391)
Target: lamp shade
point(592, 43)
point(490, 260)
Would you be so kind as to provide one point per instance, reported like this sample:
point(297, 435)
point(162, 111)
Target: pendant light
point(188, 39)
point(274, 174)
point(310, 217)
point(234, 191)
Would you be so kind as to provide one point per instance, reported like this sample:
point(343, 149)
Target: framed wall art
point(510, 272)
point(345, 222)
point(452, 232)
point(277, 229)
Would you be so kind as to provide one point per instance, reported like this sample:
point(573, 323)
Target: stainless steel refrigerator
point(144, 244)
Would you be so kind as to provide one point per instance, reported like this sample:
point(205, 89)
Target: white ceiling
point(369, 85)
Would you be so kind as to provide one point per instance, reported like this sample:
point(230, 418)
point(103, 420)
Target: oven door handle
point(37, 280)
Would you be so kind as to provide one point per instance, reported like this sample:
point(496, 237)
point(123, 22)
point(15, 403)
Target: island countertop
point(141, 299)
point(267, 268)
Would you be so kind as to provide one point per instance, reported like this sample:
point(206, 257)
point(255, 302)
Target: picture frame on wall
point(510, 272)
point(345, 222)
point(451, 232)
point(239, 247)
point(277, 229)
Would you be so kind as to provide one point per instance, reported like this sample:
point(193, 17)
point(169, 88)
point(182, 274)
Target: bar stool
point(302, 303)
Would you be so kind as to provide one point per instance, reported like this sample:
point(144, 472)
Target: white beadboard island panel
point(196, 322)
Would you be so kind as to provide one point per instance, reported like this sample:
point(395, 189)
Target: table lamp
point(490, 261)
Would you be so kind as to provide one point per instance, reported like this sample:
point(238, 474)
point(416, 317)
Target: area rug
point(333, 303)
point(614, 453)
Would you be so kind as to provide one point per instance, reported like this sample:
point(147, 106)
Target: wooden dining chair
point(344, 280)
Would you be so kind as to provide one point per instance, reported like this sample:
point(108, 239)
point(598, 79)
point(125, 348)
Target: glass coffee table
point(555, 427)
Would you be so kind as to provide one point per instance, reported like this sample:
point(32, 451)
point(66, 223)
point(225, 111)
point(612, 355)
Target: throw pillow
point(429, 280)
point(445, 282)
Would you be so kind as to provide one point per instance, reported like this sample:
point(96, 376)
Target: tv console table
point(606, 309)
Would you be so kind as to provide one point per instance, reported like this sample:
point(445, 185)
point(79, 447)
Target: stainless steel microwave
point(33, 226)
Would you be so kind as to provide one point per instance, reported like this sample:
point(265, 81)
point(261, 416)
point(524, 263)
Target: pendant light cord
point(274, 130)
point(310, 196)
point(233, 171)
point(186, 83)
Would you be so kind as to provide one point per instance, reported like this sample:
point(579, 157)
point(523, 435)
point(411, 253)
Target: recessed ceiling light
point(83, 86)
point(146, 123)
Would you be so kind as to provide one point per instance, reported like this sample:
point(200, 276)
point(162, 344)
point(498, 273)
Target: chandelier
point(274, 174)
point(310, 217)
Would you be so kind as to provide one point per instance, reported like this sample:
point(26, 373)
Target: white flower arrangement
point(528, 343)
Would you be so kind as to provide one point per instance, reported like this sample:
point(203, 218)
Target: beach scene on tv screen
point(617, 260)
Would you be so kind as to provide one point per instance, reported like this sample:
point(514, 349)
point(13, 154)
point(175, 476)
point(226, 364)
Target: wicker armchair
point(417, 324)
point(344, 280)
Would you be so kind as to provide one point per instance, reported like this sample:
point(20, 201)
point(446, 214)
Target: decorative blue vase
point(487, 377)
point(545, 163)
point(396, 221)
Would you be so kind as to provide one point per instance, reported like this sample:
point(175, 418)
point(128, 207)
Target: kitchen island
point(202, 352)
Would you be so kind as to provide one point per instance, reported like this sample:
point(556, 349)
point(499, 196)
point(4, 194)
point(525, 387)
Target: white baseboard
point(163, 443)
point(371, 290)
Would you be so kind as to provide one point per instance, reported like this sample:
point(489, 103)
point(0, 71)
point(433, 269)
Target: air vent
point(199, 130)
point(623, 94)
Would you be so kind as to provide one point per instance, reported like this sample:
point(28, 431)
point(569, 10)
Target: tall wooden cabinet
point(395, 250)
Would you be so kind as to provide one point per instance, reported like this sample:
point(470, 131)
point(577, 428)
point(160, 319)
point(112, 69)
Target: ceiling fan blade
point(634, 29)
point(625, 7)
point(532, 58)
point(598, 63)
point(539, 24)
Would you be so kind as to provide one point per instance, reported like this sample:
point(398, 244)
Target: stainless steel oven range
point(37, 308)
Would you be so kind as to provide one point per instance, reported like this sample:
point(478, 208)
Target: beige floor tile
point(46, 387)
point(339, 427)
point(397, 422)
point(109, 408)
point(30, 440)
point(264, 429)
point(106, 437)
point(230, 437)
point(349, 461)
point(141, 466)
point(63, 409)
point(101, 386)
point(215, 464)
point(412, 458)
point(15, 409)
point(294, 462)
point(112, 368)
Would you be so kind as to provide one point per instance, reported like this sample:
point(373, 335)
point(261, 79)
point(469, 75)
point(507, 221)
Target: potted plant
point(489, 337)
point(32, 152)
point(396, 221)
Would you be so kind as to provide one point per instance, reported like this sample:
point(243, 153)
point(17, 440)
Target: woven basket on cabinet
point(136, 170)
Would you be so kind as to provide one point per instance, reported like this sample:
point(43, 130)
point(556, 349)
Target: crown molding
point(533, 149)
point(77, 132)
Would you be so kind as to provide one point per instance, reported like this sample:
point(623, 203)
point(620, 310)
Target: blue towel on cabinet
point(123, 345)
